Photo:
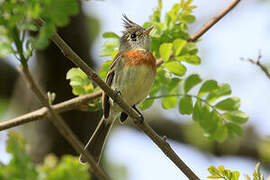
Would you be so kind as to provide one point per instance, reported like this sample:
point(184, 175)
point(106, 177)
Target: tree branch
point(62, 126)
point(68, 105)
point(213, 21)
point(259, 64)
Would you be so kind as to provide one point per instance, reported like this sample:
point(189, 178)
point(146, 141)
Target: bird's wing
point(114, 68)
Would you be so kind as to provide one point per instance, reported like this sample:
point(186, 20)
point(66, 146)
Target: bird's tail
point(96, 143)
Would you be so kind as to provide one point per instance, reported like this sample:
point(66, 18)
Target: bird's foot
point(123, 117)
point(140, 114)
point(116, 91)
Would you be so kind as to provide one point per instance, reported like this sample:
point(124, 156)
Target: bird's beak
point(147, 31)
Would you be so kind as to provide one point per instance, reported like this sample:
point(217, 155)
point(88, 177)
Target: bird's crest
point(128, 24)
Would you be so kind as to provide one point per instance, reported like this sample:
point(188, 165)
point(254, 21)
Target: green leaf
point(191, 59)
point(102, 72)
point(213, 170)
point(155, 88)
point(106, 52)
point(75, 72)
point(165, 51)
point(211, 122)
point(147, 103)
point(208, 86)
point(173, 85)
point(186, 105)
point(169, 102)
point(221, 132)
point(236, 175)
point(45, 32)
point(111, 43)
point(5, 48)
point(196, 112)
point(190, 48)
point(178, 45)
point(187, 19)
point(176, 68)
point(206, 120)
point(59, 11)
point(110, 35)
point(234, 129)
point(191, 81)
point(79, 82)
point(257, 173)
point(236, 116)
point(229, 104)
point(221, 169)
point(223, 90)
point(214, 177)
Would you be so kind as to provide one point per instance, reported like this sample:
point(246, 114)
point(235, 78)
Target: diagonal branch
point(62, 126)
point(161, 143)
point(213, 21)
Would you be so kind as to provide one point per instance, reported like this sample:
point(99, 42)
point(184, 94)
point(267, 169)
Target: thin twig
point(213, 21)
point(62, 126)
point(41, 113)
point(259, 64)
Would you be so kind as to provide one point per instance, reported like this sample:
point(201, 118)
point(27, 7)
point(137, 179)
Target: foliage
point(22, 167)
point(68, 168)
point(17, 17)
point(82, 85)
point(222, 173)
point(170, 42)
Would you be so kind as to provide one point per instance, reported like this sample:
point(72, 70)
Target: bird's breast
point(136, 78)
point(138, 57)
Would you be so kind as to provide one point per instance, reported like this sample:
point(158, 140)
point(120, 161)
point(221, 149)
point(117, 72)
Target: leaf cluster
point(218, 119)
point(17, 18)
point(170, 42)
point(222, 173)
point(21, 165)
point(81, 85)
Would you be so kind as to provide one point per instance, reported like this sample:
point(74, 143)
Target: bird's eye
point(133, 36)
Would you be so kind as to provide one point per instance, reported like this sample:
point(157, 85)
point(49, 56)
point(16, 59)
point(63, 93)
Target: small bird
point(131, 75)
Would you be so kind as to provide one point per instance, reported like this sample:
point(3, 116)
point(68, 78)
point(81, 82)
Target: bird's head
point(134, 36)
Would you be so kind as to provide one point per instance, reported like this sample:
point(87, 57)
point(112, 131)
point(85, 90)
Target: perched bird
point(131, 74)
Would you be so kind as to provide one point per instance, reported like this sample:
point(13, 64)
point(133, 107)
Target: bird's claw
point(123, 117)
point(140, 114)
point(117, 92)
